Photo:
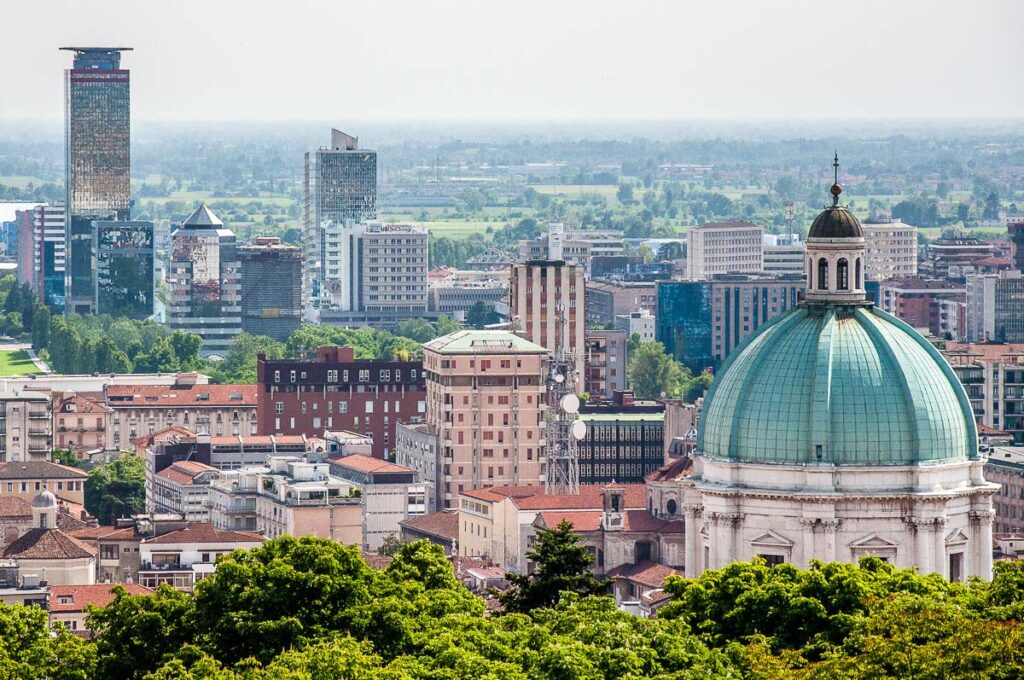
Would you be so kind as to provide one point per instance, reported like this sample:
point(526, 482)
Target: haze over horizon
point(452, 61)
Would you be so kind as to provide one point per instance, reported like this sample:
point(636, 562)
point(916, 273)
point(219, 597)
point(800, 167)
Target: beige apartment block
point(890, 250)
point(485, 399)
point(548, 306)
point(734, 247)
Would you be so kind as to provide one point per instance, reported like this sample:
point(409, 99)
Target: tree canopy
point(116, 489)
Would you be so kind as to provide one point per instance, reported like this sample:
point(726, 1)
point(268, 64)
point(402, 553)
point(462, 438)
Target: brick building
point(335, 391)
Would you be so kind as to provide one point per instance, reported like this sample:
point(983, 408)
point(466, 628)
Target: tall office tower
point(204, 279)
point(50, 236)
point(340, 186)
point(547, 307)
point(123, 257)
point(724, 248)
point(1016, 230)
point(97, 160)
point(393, 269)
point(24, 225)
point(271, 288)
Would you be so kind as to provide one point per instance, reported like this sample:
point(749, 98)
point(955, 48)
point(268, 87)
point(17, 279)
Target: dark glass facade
point(684, 322)
point(271, 287)
point(97, 159)
point(623, 450)
point(123, 261)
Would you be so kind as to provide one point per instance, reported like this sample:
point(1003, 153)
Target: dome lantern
point(835, 253)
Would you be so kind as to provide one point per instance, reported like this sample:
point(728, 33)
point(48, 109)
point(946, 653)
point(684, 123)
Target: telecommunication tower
point(563, 429)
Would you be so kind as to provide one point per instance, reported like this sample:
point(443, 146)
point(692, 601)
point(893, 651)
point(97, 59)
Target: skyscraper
point(340, 185)
point(97, 159)
point(271, 288)
point(204, 278)
point(123, 262)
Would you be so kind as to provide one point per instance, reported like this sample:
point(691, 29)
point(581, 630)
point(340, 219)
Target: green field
point(16, 362)
point(20, 181)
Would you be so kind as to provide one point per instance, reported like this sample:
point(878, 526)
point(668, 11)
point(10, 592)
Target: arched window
point(822, 274)
point(842, 274)
point(857, 274)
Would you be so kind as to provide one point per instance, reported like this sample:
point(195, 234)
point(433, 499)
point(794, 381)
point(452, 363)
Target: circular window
point(670, 507)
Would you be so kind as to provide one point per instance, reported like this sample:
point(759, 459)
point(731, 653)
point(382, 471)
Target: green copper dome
point(837, 384)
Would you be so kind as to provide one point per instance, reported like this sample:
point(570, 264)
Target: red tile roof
point(163, 396)
point(990, 431)
point(47, 544)
point(14, 507)
point(204, 532)
point(184, 471)
point(990, 352)
point(375, 561)
point(259, 440)
point(81, 404)
point(107, 533)
point(97, 595)
point(363, 463)
point(441, 524)
point(645, 573)
point(39, 469)
point(581, 521)
point(677, 469)
point(590, 497)
point(632, 520)
point(163, 435)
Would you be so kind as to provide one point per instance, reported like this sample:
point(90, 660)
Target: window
point(822, 274)
point(773, 560)
point(277, 376)
point(364, 375)
point(332, 376)
point(369, 407)
point(670, 506)
point(956, 566)
point(842, 274)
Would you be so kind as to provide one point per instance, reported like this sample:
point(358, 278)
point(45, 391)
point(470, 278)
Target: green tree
point(653, 373)
point(389, 546)
point(186, 347)
point(116, 489)
point(633, 343)
point(480, 315)
point(625, 194)
point(446, 324)
point(992, 207)
point(64, 457)
point(563, 565)
point(239, 366)
point(29, 650)
point(419, 330)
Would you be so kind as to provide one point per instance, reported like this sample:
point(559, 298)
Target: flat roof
point(97, 49)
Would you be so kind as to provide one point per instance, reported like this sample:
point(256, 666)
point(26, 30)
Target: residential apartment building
point(182, 558)
point(701, 322)
point(71, 605)
point(303, 499)
point(26, 426)
point(485, 398)
point(919, 302)
point(641, 323)
point(995, 307)
point(182, 488)
point(393, 269)
point(1005, 467)
point(993, 375)
point(389, 494)
point(80, 424)
point(548, 306)
point(606, 361)
point(890, 249)
point(958, 257)
point(271, 274)
point(334, 391)
point(733, 247)
point(204, 278)
point(117, 550)
point(26, 479)
point(607, 300)
point(217, 410)
point(417, 448)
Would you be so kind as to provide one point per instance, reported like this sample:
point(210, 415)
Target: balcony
point(39, 415)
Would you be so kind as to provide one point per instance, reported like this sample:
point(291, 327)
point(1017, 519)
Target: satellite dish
point(570, 403)
point(559, 378)
point(578, 429)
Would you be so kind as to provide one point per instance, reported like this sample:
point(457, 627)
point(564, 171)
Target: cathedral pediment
point(770, 539)
point(873, 542)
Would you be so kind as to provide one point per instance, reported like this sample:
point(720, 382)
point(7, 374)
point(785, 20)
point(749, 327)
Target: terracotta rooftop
point(47, 544)
point(369, 464)
point(162, 396)
point(375, 561)
point(39, 469)
point(441, 524)
point(77, 403)
point(184, 471)
point(632, 520)
point(988, 352)
point(108, 533)
point(590, 497)
point(990, 431)
point(259, 440)
point(96, 595)
point(677, 469)
point(14, 506)
point(163, 435)
point(204, 532)
point(645, 573)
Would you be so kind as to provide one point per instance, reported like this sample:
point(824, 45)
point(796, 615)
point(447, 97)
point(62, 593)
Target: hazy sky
point(549, 59)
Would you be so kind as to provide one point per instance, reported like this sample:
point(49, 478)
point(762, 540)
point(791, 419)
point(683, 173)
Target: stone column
point(982, 539)
point(693, 546)
point(807, 549)
point(941, 562)
point(829, 528)
point(922, 552)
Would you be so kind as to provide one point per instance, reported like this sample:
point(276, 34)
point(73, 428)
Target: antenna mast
point(563, 430)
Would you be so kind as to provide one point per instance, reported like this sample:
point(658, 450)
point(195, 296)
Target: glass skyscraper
point(97, 160)
point(123, 262)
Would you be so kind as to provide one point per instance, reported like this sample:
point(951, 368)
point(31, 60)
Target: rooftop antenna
point(563, 431)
